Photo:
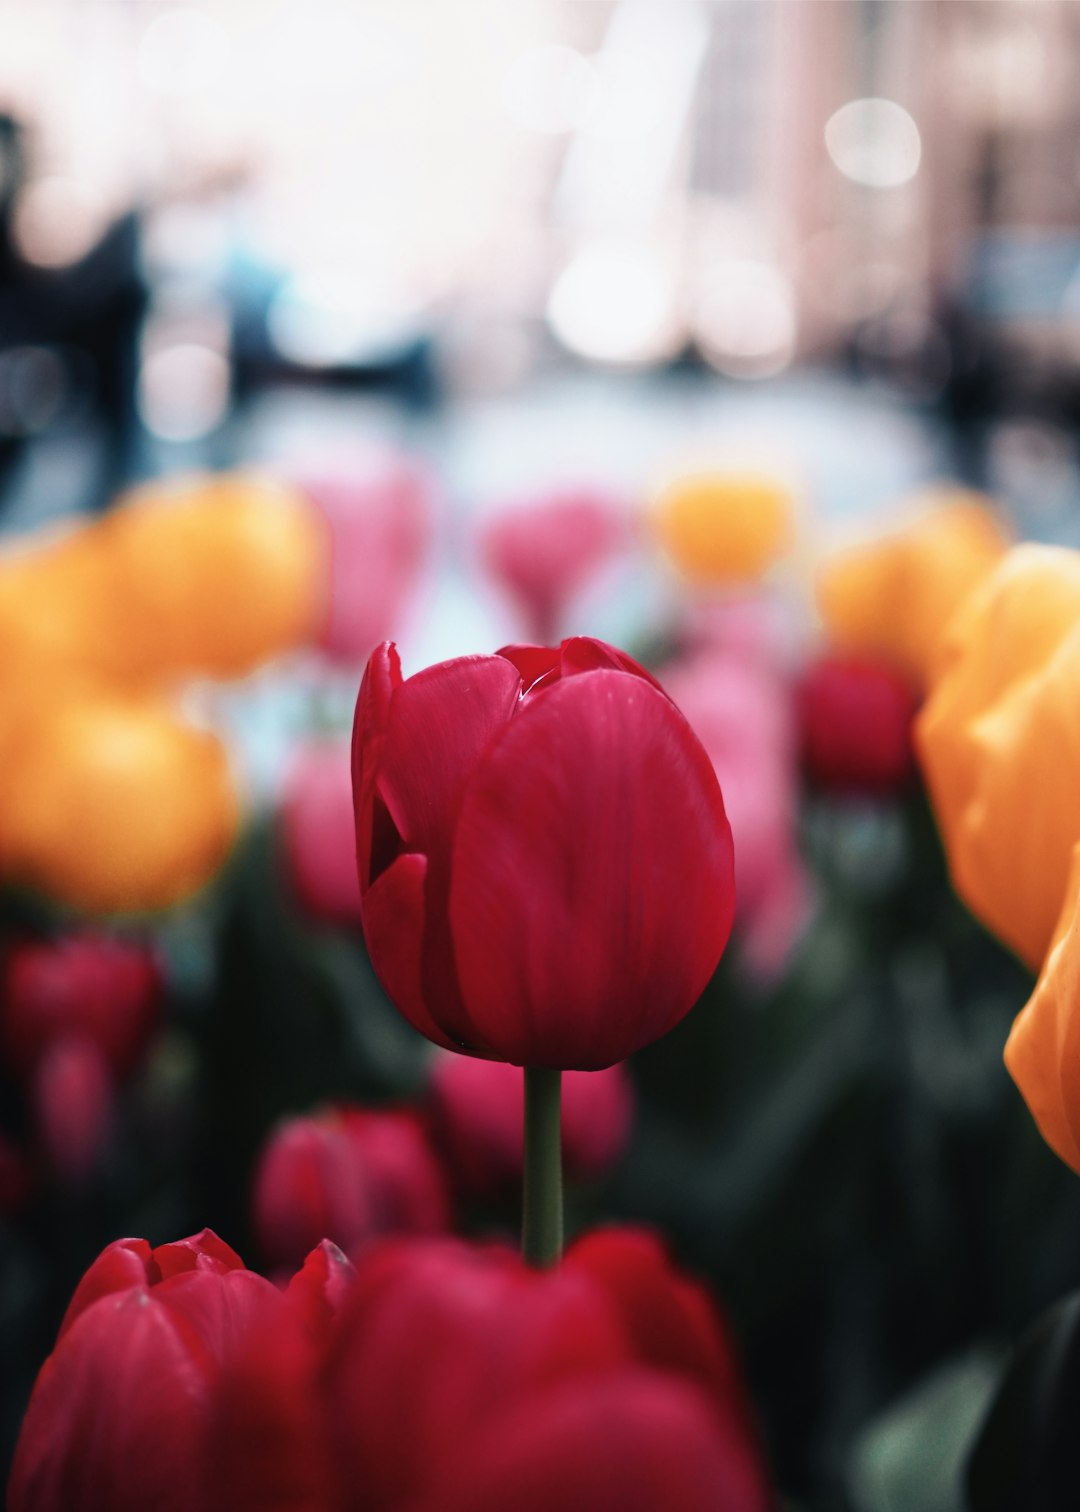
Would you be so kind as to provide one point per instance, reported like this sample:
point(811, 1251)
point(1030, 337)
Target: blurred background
point(417, 263)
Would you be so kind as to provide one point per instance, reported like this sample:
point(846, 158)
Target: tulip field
point(554, 1073)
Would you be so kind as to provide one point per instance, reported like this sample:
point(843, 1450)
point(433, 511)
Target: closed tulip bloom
point(478, 1111)
point(724, 526)
point(112, 805)
point(348, 1175)
point(546, 867)
point(543, 551)
point(117, 1418)
point(318, 834)
point(856, 716)
point(443, 1346)
point(999, 741)
point(103, 988)
point(1043, 1049)
point(893, 598)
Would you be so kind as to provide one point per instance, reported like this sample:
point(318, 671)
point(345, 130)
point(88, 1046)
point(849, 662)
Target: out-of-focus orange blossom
point(220, 573)
point(110, 802)
point(114, 805)
point(999, 742)
point(1043, 1051)
point(724, 526)
point(894, 597)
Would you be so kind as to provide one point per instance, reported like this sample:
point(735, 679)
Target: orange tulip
point(999, 742)
point(220, 573)
point(110, 805)
point(724, 527)
point(1043, 1051)
point(893, 598)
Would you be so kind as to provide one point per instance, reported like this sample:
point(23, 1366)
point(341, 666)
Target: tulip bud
point(73, 1106)
point(546, 867)
point(543, 551)
point(478, 1111)
point(346, 1175)
point(856, 718)
point(319, 837)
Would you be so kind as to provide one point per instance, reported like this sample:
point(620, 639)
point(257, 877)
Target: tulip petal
point(1043, 1049)
point(124, 1264)
point(381, 677)
point(394, 912)
point(582, 653)
point(440, 722)
point(533, 662)
point(592, 881)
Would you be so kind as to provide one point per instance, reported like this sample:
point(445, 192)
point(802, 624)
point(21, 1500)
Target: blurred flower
point(104, 989)
point(112, 805)
point(543, 551)
point(72, 1097)
point(478, 1109)
point(348, 1175)
point(379, 513)
point(741, 710)
point(219, 573)
point(437, 1374)
point(545, 862)
point(724, 526)
point(117, 1418)
point(318, 834)
point(856, 716)
point(1043, 1049)
point(999, 744)
point(457, 1369)
point(893, 598)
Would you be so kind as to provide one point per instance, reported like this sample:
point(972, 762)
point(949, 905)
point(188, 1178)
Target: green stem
point(542, 1222)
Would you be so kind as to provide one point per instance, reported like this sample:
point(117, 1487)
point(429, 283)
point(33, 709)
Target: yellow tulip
point(112, 805)
point(724, 526)
point(999, 742)
point(219, 573)
point(893, 597)
point(1043, 1051)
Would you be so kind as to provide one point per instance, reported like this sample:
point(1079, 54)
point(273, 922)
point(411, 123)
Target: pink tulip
point(378, 508)
point(318, 834)
point(742, 712)
point(479, 1108)
point(543, 551)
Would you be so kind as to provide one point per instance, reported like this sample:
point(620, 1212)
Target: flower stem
point(542, 1218)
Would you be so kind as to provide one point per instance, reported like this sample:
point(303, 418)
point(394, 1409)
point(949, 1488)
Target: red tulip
point(856, 719)
point(445, 1352)
point(638, 1441)
point(378, 509)
point(545, 863)
point(545, 550)
point(478, 1109)
point(117, 1418)
point(319, 835)
point(348, 1175)
point(104, 989)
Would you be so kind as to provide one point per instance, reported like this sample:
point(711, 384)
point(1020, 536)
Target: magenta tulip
point(349, 1175)
point(546, 868)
